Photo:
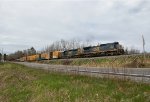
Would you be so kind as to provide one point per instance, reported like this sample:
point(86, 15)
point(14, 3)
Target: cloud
point(25, 23)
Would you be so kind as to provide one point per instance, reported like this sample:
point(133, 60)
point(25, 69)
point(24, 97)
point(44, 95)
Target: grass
point(22, 84)
point(115, 62)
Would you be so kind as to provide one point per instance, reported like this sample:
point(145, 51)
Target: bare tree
point(0, 57)
point(132, 51)
point(31, 51)
point(18, 54)
point(63, 45)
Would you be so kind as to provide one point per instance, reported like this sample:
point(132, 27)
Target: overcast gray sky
point(26, 23)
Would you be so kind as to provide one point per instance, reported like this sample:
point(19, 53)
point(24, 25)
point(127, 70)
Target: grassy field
point(116, 62)
point(22, 84)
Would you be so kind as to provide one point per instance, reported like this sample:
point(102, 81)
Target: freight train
point(91, 51)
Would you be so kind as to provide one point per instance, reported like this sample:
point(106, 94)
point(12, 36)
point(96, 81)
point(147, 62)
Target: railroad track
point(101, 57)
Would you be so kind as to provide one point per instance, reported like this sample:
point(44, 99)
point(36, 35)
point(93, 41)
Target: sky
point(38, 23)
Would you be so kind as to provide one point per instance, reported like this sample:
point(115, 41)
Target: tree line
point(63, 45)
point(18, 54)
point(60, 45)
point(3, 57)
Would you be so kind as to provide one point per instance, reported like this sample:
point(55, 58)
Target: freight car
point(42, 56)
point(92, 51)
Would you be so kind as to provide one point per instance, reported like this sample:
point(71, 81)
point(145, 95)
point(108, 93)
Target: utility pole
point(143, 41)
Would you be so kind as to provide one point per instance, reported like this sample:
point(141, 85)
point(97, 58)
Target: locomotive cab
point(119, 49)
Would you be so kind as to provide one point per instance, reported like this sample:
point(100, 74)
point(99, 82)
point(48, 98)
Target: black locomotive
point(94, 51)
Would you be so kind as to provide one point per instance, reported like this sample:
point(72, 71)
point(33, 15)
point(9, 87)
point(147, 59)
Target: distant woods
point(3, 57)
point(132, 51)
point(19, 54)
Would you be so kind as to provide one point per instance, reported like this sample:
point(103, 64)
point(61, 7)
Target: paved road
point(135, 74)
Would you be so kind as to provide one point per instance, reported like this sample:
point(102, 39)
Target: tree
point(31, 51)
point(63, 45)
point(19, 54)
point(5, 57)
point(16, 55)
point(0, 56)
point(132, 51)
